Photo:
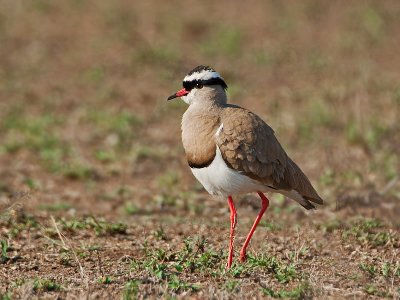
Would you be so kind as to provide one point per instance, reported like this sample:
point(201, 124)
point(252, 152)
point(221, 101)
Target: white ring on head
point(203, 75)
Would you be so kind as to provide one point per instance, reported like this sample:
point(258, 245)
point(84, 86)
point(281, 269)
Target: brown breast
point(198, 136)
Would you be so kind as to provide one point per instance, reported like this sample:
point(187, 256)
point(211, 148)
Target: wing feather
point(249, 145)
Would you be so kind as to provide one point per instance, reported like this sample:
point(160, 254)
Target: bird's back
point(249, 146)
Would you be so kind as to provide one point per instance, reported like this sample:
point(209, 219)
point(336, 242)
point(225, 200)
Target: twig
point(100, 265)
point(389, 185)
point(55, 242)
point(81, 270)
point(58, 232)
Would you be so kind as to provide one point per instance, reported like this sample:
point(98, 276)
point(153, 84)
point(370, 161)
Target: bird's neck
point(210, 96)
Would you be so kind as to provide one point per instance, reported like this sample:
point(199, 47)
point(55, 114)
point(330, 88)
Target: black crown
point(200, 68)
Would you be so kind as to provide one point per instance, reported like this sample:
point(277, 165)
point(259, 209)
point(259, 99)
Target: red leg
point(232, 234)
point(265, 203)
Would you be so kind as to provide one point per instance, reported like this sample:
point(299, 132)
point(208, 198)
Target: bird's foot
point(228, 264)
point(243, 256)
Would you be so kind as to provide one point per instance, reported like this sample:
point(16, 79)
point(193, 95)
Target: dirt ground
point(96, 198)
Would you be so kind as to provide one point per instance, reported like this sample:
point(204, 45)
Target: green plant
point(370, 269)
point(6, 296)
point(130, 208)
point(61, 206)
point(283, 272)
point(271, 225)
point(231, 285)
point(160, 234)
point(105, 156)
point(371, 289)
point(131, 289)
point(100, 226)
point(177, 285)
point(373, 23)
point(45, 285)
point(299, 292)
point(105, 280)
point(4, 247)
point(368, 231)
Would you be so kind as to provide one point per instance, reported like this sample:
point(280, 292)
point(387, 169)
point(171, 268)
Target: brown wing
point(249, 145)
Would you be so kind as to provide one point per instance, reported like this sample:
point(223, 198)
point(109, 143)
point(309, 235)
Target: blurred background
point(85, 128)
point(84, 83)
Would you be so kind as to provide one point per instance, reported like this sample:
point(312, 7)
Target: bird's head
point(202, 83)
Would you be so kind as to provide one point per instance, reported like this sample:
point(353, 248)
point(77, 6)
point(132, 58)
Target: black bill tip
point(172, 97)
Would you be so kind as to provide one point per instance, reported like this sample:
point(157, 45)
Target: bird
point(231, 151)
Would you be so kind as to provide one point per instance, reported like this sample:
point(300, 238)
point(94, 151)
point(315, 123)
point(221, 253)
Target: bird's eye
point(199, 85)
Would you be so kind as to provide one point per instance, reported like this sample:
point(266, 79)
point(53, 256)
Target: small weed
point(105, 280)
point(318, 115)
point(18, 282)
point(176, 285)
point(373, 290)
point(373, 23)
point(165, 265)
point(388, 163)
point(160, 234)
point(168, 180)
point(28, 133)
point(317, 60)
point(231, 285)
point(103, 227)
point(327, 178)
point(78, 171)
point(237, 270)
point(143, 152)
point(105, 156)
point(61, 206)
point(100, 226)
point(330, 226)
point(369, 138)
point(158, 269)
point(32, 184)
point(370, 269)
point(130, 208)
point(354, 276)
point(4, 248)
point(366, 231)
point(299, 292)
point(66, 259)
point(73, 225)
point(22, 222)
point(131, 289)
point(45, 285)
point(271, 225)
point(93, 248)
point(82, 253)
point(282, 272)
point(385, 269)
point(123, 192)
point(119, 125)
point(5, 296)
point(165, 200)
point(95, 75)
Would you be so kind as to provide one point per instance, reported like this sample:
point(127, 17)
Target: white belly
point(219, 179)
